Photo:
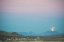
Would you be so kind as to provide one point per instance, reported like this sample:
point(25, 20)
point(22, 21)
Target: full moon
point(52, 29)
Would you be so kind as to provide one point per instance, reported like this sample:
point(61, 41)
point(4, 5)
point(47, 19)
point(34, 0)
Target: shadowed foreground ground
point(31, 41)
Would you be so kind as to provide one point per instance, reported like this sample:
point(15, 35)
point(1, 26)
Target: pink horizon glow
point(31, 5)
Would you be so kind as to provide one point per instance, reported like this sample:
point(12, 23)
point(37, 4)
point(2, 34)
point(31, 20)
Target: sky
point(37, 16)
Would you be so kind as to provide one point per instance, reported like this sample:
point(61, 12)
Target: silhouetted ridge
point(49, 33)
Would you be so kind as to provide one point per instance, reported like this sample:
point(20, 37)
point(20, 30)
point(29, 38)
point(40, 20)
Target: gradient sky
point(31, 15)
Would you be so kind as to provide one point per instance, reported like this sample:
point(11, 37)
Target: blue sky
point(37, 16)
point(34, 23)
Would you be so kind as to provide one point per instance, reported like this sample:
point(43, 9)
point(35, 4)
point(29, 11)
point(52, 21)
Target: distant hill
point(27, 34)
point(4, 33)
point(49, 33)
point(40, 34)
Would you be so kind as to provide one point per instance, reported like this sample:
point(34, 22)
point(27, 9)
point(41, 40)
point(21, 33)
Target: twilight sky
point(31, 15)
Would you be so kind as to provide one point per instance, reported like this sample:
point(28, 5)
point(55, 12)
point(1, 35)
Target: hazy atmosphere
point(37, 16)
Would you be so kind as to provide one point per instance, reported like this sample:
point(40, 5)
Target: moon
point(52, 29)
